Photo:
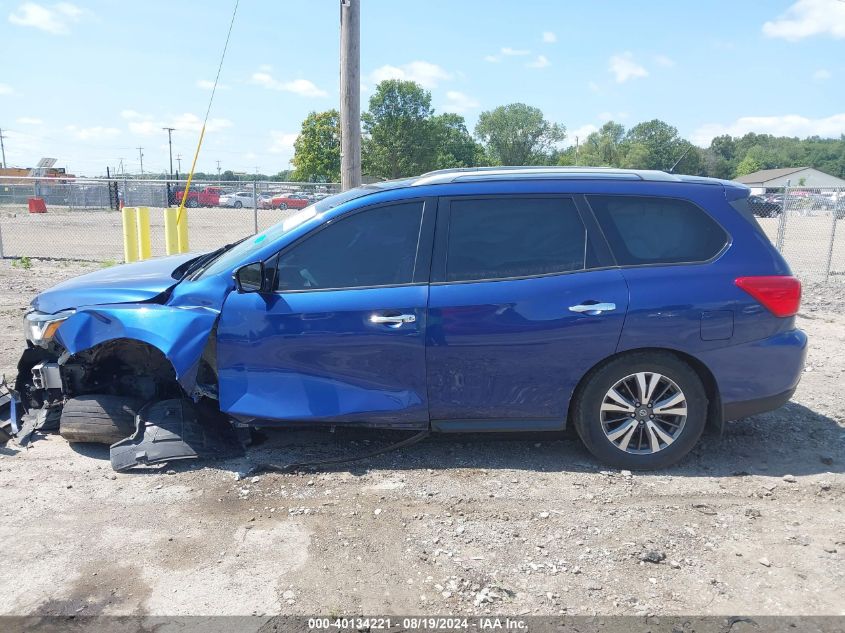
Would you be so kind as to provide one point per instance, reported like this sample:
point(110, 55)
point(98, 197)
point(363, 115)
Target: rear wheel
point(641, 411)
point(238, 204)
point(192, 203)
point(282, 206)
point(99, 418)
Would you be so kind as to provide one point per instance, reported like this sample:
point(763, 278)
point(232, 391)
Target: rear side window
point(514, 237)
point(644, 230)
point(376, 247)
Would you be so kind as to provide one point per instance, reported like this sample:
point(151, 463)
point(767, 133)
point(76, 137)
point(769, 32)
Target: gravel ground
point(751, 523)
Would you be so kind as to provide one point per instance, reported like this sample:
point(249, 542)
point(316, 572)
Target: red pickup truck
point(205, 197)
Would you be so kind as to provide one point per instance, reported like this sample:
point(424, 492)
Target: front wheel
point(238, 204)
point(641, 411)
point(282, 206)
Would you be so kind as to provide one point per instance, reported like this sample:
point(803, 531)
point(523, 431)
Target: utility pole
point(218, 174)
point(3, 148)
point(350, 93)
point(577, 145)
point(141, 156)
point(179, 163)
point(170, 146)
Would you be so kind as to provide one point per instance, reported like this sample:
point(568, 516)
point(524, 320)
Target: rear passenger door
point(524, 300)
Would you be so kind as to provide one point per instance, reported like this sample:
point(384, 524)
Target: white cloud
point(6, 89)
point(549, 37)
point(282, 142)
point(786, 125)
point(206, 84)
point(493, 59)
point(663, 60)
point(426, 74)
point(55, 19)
point(581, 133)
point(806, 18)
point(541, 62)
point(301, 87)
point(147, 125)
point(507, 51)
point(624, 67)
point(28, 120)
point(459, 102)
point(594, 87)
point(96, 133)
point(822, 74)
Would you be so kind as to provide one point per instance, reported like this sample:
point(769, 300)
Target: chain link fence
point(806, 225)
point(81, 218)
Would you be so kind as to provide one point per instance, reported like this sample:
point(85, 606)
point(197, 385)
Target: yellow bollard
point(182, 231)
point(171, 238)
point(144, 249)
point(130, 234)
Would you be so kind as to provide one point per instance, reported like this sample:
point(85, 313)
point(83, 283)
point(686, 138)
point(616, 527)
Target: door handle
point(592, 309)
point(393, 321)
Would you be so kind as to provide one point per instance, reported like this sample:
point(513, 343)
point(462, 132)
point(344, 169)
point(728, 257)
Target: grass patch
point(24, 262)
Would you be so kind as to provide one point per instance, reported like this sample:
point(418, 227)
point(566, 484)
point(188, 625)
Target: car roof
point(478, 174)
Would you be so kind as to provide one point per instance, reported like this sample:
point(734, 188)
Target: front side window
point(376, 247)
point(644, 230)
point(498, 238)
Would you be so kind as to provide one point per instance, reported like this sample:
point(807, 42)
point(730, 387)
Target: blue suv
point(636, 306)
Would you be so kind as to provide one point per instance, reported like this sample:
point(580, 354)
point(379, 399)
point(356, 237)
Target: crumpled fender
point(180, 333)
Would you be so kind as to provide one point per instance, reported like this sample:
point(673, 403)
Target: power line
point(3, 148)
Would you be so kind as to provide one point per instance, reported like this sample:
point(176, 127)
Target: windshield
point(241, 252)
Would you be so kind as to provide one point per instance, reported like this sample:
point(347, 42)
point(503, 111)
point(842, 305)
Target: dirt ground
point(751, 523)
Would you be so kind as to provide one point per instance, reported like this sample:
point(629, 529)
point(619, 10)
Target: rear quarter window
point(651, 230)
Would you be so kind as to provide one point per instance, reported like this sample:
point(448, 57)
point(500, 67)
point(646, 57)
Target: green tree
point(401, 139)
point(517, 134)
point(317, 148)
point(604, 147)
point(747, 166)
point(656, 144)
point(455, 145)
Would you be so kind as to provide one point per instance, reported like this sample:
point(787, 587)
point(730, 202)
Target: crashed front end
point(157, 356)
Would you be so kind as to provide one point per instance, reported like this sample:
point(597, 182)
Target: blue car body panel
point(512, 349)
point(127, 283)
point(304, 356)
point(508, 352)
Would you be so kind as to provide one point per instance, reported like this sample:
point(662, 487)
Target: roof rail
point(460, 174)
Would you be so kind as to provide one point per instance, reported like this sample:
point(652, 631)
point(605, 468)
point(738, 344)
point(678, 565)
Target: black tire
point(238, 204)
point(99, 418)
point(191, 203)
point(587, 403)
point(282, 206)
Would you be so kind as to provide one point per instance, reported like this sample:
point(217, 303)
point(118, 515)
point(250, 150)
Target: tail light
point(781, 295)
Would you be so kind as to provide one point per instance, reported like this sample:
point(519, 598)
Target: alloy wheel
point(643, 413)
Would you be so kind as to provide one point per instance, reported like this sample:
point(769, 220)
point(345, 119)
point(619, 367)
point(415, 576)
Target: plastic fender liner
point(169, 430)
point(179, 333)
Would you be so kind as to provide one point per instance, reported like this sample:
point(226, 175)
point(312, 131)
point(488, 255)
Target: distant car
point(763, 208)
point(206, 197)
point(237, 200)
point(290, 201)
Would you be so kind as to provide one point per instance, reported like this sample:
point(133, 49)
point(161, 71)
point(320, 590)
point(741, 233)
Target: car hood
point(127, 283)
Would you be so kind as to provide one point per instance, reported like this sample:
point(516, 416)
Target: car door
point(524, 300)
point(341, 338)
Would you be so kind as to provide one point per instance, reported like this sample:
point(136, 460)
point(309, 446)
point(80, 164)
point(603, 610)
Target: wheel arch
point(708, 380)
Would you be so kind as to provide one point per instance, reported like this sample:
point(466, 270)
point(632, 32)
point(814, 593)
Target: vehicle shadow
point(792, 440)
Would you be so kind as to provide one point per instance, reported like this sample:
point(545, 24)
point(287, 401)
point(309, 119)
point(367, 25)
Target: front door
point(342, 336)
point(519, 309)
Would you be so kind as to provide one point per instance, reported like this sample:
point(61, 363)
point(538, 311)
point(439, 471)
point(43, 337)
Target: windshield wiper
point(197, 265)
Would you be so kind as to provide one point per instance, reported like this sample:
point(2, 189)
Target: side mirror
point(250, 277)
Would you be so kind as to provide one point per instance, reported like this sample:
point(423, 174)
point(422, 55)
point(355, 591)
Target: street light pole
point(350, 93)
point(170, 147)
